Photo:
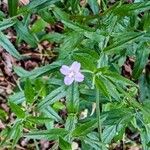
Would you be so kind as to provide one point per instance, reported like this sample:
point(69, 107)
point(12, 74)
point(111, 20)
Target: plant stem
point(98, 114)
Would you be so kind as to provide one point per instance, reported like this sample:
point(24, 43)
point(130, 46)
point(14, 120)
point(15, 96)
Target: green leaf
point(51, 113)
point(38, 26)
point(17, 98)
point(37, 5)
point(24, 34)
point(76, 27)
point(7, 45)
point(141, 60)
point(3, 114)
point(120, 43)
point(52, 134)
point(91, 142)
point(72, 98)
point(85, 128)
point(71, 122)
point(146, 21)
point(94, 6)
point(38, 120)
point(54, 96)
point(58, 106)
point(118, 78)
point(53, 37)
point(86, 61)
point(144, 88)
point(13, 134)
point(59, 14)
point(110, 132)
point(38, 71)
point(101, 86)
point(29, 91)
point(145, 137)
point(46, 15)
point(64, 145)
point(6, 23)
point(17, 110)
point(71, 41)
point(128, 9)
point(12, 7)
point(17, 134)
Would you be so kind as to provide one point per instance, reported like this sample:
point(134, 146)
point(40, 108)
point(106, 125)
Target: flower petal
point(79, 77)
point(65, 70)
point(75, 66)
point(68, 80)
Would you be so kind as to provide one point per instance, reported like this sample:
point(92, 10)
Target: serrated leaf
point(7, 45)
point(38, 120)
point(120, 43)
point(38, 71)
point(52, 97)
point(127, 9)
point(59, 14)
point(37, 5)
point(71, 122)
point(24, 34)
point(17, 98)
point(76, 27)
point(6, 23)
point(13, 134)
point(46, 15)
point(117, 77)
point(85, 128)
point(52, 134)
point(50, 112)
point(109, 132)
point(141, 60)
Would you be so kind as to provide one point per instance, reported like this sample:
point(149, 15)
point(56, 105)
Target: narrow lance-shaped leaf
point(72, 98)
point(37, 5)
point(24, 34)
point(64, 145)
point(53, 97)
point(127, 9)
point(17, 110)
point(52, 134)
point(141, 60)
point(101, 86)
point(29, 91)
point(8, 46)
point(50, 112)
point(38, 71)
point(94, 6)
point(85, 128)
point(12, 7)
point(6, 24)
point(38, 120)
point(123, 42)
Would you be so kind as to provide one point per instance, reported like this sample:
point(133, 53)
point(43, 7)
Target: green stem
point(98, 112)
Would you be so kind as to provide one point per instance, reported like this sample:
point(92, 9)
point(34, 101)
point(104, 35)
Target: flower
point(72, 73)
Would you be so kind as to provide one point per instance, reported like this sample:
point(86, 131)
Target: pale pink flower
point(72, 73)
